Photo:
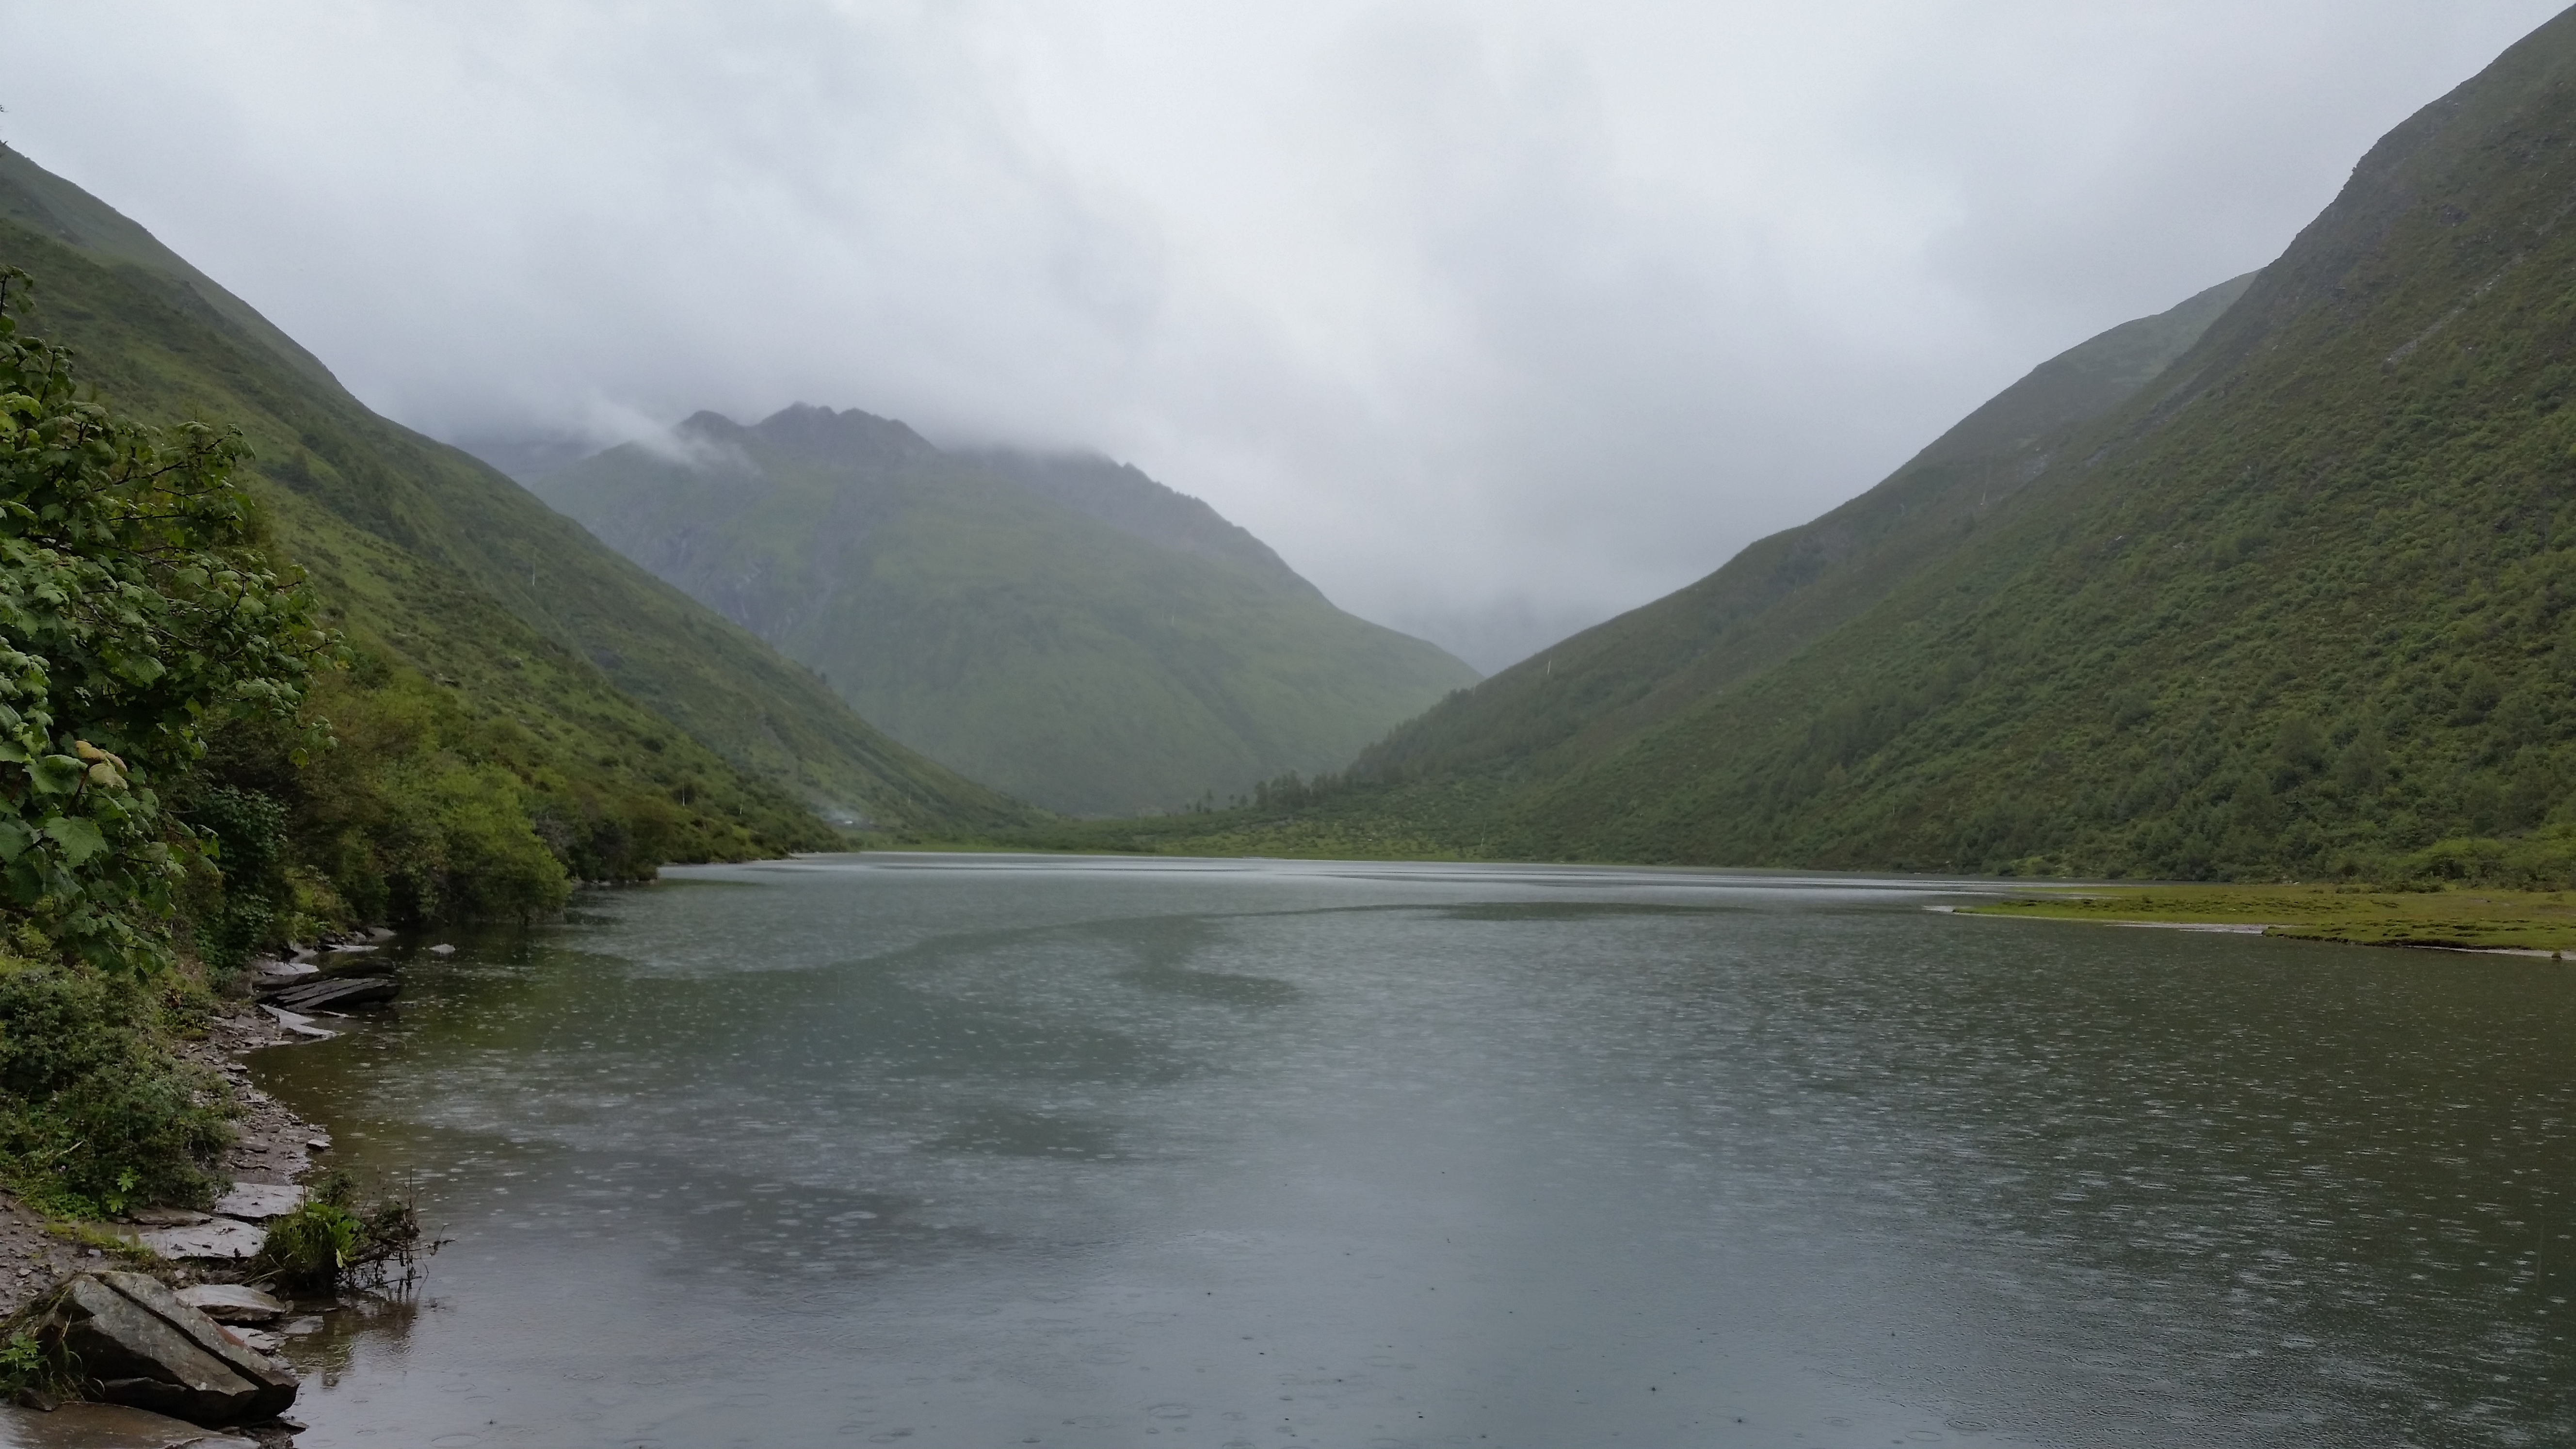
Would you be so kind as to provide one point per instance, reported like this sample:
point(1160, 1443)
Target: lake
point(972, 1151)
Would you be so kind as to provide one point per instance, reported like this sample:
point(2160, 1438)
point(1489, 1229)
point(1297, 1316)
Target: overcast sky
point(1494, 317)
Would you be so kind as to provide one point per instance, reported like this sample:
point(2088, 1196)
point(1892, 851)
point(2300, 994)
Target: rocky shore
point(275, 1147)
point(168, 1277)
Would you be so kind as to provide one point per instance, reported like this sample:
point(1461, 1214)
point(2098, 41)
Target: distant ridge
point(1120, 495)
point(1062, 626)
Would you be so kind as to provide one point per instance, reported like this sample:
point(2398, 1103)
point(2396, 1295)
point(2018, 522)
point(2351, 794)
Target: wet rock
point(226, 1238)
point(442, 949)
point(337, 993)
point(301, 1327)
point(166, 1217)
point(232, 1303)
point(259, 1201)
point(299, 1024)
point(276, 1382)
point(136, 1344)
point(105, 1426)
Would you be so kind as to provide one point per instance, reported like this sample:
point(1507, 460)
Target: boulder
point(273, 1383)
point(232, 1303)
point(105, 1426)
point(133, 1343)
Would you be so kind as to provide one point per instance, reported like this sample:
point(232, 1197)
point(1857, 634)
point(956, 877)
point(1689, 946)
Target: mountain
point(2298, 606)
point(1120, 495)
point(1591, 693)
point(1064, 627)
point(584, 674)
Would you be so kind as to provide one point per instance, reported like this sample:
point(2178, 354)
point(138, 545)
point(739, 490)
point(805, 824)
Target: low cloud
point(1492, 317)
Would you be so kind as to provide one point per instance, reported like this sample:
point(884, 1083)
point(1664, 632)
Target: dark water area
point(986, 1151)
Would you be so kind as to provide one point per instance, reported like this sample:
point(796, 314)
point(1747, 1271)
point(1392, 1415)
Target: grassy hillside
point(2297, 607)
point(1589, 694)
point(1090, 640)
point(544, 646)
point(1120, 495)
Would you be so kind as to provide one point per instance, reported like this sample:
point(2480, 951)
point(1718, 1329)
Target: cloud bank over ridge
point(1493, 318)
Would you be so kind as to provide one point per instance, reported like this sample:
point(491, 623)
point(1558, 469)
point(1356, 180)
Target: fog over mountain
point(1492, 318)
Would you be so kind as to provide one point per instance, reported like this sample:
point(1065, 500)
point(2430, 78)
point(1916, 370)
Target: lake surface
point(987, 1151)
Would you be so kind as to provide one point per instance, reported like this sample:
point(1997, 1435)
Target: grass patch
point(87, 1235)
point(2466, 918)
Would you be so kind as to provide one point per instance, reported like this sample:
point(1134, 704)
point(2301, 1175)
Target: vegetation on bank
point(2458, 918)
point(140, 620)
point(333, 1237)
point(304, 670)
point(195, 769)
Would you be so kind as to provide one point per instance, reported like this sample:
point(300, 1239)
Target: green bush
point(134, 616)
point(330, 1238)
point(96, 1110)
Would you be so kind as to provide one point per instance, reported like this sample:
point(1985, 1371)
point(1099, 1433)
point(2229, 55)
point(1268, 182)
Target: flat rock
point(214, 1238)
point(132, 1356)
point(166, 1217)
point(232, 1303)
point(258, 1201)
point(105, 1426)
point(299, 1024)
point(301, 1327)
point(337, 993)
point(273, 1383)
point(442, 949)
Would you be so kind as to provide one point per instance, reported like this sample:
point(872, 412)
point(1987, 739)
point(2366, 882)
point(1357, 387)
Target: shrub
point(96, 1111)
point(134, 616)
point(330, 1239)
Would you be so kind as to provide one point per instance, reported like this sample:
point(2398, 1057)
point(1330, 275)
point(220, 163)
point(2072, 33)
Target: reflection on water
point(982, 1151)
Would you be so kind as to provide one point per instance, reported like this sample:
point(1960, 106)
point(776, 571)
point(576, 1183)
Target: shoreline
point(274, 1148)
point(2466, 920)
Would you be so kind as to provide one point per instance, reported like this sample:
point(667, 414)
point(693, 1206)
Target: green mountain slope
point(1070, 630)
point(1120, 495)
point(444, 570)
point(1601, 688)
point(2298, 607)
